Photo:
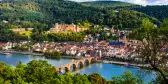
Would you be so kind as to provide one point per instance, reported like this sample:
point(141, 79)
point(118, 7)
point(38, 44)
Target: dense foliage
point(45, 11)
point(40, 72)
point(106, 4)
point(59, 11)
point(153, 42)
point(63, 36)
point(159, 12)
point(7, 35)
point(52, 54)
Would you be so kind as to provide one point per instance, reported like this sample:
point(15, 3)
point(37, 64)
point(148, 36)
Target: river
point(105, 70)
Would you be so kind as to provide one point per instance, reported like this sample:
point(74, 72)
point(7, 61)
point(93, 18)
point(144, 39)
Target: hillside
point(106, 4)
point(21, 10)
point(45, 13)
point(159, 12)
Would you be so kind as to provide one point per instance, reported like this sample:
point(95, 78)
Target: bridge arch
point(67, 69)
point(86, 62)
point(91, 59)
point(80, 64)
point(73, 67)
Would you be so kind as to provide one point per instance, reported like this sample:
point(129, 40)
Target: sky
point(140, 2)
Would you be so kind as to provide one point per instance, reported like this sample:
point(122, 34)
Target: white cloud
point(147, 2)
point(141, 2)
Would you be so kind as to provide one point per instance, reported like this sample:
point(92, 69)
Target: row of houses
point(94, 49)
point(5, 46)
point(10, 45)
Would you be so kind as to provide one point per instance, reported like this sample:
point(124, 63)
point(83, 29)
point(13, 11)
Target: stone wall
point(21, 29)
point(66, 28)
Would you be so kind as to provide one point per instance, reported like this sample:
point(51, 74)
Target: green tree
point(126, 78)
point(159, 79)
point(2, 67)
point(39, 72)
point(96, 79)
point(53, 54)
point(153, 39)
point(81, 79)
point(68, 78)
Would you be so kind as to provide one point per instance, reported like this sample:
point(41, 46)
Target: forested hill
point(45, 13)
point(159, 12)
point(106, 4)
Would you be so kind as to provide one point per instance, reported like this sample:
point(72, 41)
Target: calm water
point(109, 70)
point(13, 59)
point(106, 70)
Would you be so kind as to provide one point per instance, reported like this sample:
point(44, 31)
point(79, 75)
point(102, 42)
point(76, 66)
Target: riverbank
point(23, 52)
point(124, 63)
point(36, 54)
point(72, 57)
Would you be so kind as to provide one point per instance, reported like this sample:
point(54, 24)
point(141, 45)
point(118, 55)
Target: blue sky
point(141, 2)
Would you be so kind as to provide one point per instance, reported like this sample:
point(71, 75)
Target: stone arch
point(73, 66)
point(80, 64)
point(66, 69)
point(91, 60)
point(59, 69)
point(86, 62)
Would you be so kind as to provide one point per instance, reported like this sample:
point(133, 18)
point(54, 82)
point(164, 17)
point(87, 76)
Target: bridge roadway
point(75, 64)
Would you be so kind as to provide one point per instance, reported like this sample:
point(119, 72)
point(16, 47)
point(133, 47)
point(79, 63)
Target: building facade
point(21, 29)
point(66, 28)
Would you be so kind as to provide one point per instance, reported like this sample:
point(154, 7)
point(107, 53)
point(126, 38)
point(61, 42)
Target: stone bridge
point(76, 64)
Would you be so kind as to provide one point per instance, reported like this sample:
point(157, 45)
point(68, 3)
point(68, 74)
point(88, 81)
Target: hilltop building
point(21, 29)
point(66, 28)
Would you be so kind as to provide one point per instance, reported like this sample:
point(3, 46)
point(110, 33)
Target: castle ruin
point(66, 28)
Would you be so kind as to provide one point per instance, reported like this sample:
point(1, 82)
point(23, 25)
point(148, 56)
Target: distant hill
point(106, 4)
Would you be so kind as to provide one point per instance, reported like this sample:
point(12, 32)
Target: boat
point(4, 53)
